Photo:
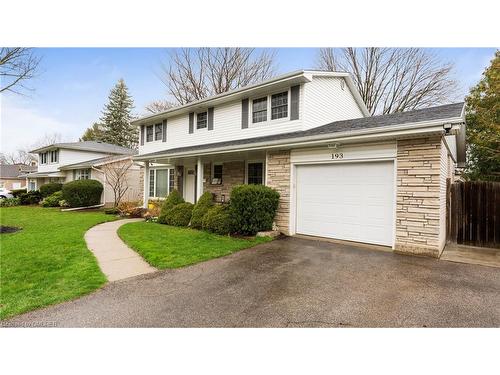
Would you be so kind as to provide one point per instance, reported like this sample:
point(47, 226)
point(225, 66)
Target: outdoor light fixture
point(222, 198)
point(447, 128)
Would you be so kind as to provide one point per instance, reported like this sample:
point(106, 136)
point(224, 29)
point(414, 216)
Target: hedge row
point(251, 209)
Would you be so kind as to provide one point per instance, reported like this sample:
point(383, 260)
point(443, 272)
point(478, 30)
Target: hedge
point(82, 193)
point(218, 220)
point(179, 215)
point(50, 188)
point(31, 197)
point(9, 202)
point(201, 207)
point(53, 199)
point(173, 199)
point(17, 192)
point(253, 208)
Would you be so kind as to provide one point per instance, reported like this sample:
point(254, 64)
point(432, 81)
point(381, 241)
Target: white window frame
point(269, 109)
point(206, 120)
point(79, 174)
point(154, 183)
point(152, 126)
point(212, 174)
point(50, 154)
point(263, 169)
point(43, 158)
point(160, 125)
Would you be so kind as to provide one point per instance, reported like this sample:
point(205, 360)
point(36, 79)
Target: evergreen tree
point(94, 133)
point(483, 125)
point(116, 118)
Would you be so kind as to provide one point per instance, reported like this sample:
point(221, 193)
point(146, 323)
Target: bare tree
point(158, 106)
point(18, 157)
point(393, 79)
point(193, 74)
point(17, 66)
point(117, 177)
point(47, 140)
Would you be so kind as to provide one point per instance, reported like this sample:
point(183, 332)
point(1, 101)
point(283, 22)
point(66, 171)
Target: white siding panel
point(67, 157)
point(328, 99)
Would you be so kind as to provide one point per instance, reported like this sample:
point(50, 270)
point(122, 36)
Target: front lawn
point(47, 261)
point(165, 246)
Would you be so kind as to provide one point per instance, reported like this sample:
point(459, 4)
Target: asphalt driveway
point(292, 283)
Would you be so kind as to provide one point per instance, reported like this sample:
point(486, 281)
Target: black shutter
point(244, 113)
point(294, 102)
point(142, 135)
point(164, 131)
point(191, 122)
point(210, 118)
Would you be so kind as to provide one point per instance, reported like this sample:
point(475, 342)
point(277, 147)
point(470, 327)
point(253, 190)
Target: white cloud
point(22, 126)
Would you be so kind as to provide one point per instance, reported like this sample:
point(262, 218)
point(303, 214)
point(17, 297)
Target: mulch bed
point(5, 229)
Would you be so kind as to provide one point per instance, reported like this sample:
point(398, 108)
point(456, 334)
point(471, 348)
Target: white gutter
point(418, 128)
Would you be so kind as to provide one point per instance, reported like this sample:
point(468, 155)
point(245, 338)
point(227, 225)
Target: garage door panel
point(350, 201)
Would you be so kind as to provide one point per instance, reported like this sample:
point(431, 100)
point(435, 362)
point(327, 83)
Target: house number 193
point(338, 155)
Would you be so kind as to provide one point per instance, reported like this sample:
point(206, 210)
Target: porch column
point(199, 179)
point(146, 184)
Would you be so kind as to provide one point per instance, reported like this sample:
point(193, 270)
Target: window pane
point(255, 172)
point(151, 182)
point(259, 110)
point(217, 175)
point(279, 105)
point(171, 180)
point(158, 132)
point(161, 182)
point(149, 133)
point(201, 120)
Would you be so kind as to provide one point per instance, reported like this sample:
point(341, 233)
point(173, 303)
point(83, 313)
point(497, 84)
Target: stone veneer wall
point(419, 195)
point(278, 177)
point(233, 173)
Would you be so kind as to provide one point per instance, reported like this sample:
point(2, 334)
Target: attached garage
point(346, 200)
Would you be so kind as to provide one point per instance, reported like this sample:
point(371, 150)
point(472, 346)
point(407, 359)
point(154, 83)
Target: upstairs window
point(43, 158)
point(149, 133)
point(54, 156)
point(259, 110)
point(158, 132)
point(201, 120)
point(279, 105)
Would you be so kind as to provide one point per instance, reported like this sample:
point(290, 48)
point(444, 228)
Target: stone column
point(278, 177)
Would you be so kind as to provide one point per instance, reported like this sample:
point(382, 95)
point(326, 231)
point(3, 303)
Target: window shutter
point(164, 131)
point(191, 122)
point(294, 102)
point(244, 114)
point(211, 118)
point(142, 135)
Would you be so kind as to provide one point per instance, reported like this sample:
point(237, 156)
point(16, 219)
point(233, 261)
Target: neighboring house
point(341, 173)
point(64, 162)
point(10, 175)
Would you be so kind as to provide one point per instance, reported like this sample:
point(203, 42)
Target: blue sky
point(74, 84)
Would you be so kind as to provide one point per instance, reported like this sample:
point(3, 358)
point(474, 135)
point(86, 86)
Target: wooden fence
point(473, 213)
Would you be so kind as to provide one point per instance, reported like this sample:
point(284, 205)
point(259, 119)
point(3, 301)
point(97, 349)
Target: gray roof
point(93, 162)
point(90, 146)
point(13, 171)
point(443, 112)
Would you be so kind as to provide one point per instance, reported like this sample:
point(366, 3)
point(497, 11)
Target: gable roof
point(89, 146)
point(13, 171)
point(95, 162)
point(445, 113)
point(296, 77)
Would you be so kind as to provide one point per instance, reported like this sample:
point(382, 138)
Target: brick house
point(341, 173)
point(10, 175)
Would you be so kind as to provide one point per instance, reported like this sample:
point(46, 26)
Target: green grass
point(47, 261)
point(164, 246)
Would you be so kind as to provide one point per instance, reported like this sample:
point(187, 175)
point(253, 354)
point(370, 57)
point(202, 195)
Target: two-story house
point(341, 173)
point(64, 162)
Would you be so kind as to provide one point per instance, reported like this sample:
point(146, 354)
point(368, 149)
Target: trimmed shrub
point(82, 193)
point(218, 220)
point(253, 208)
point(31, 197)
point(50, 188)
point(201, 207)
point(9, 202)
point(53, 200)
point(179, 215)
point(17, 192)
point(173, 199)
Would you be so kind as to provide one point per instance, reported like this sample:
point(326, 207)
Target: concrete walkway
point(117, 260)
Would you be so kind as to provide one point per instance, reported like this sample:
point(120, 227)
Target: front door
point(189, 183)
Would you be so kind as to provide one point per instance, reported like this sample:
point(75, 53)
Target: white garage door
point(347, 201)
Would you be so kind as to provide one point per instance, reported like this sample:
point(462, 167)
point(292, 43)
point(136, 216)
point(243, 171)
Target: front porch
point(218, 174)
